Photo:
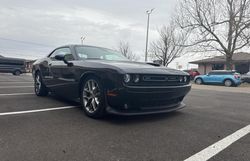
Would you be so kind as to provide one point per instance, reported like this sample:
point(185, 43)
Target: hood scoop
point(153, 64)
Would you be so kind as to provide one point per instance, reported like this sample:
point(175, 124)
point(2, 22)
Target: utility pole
point(82, 39)
point(146, 52)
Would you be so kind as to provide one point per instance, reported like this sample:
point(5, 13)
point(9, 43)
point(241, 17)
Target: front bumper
point(146, 100)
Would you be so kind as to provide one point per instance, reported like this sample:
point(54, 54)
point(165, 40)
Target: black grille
point(160, 80)
point(155, 78)
point(148, 104)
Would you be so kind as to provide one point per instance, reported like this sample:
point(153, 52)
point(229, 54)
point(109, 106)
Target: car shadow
point(64, 100)
point(119, 119)
point(124, 120)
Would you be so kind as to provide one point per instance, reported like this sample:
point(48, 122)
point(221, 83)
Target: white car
point(246, 77)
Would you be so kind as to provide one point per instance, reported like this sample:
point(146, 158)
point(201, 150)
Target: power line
point(23, 52)
point(20, 49)
point(25, 42)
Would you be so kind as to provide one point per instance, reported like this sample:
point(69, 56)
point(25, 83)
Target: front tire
point(93, 97)
point(198, 81)
point(39, 87)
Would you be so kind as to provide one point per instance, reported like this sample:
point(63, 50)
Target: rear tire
point(198, 81)
point(39, 87)
point(228, 83)
point(92, 97)
point(17, 72)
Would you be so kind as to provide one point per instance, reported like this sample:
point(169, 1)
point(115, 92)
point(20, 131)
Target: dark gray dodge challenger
point(106, 82)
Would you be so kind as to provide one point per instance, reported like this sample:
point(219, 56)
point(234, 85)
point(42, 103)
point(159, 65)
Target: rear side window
point(221, 73)
point(11, 62)
point(212, 73)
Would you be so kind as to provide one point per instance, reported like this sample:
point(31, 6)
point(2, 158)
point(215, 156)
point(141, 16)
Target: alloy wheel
point(37, 83)
point(228, 83)
point(91, 96)
point(17, 72)
point(198, 81)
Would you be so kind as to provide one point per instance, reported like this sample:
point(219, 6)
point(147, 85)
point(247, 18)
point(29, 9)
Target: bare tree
point(216, 25)
point(169, 46)
point(125, 49)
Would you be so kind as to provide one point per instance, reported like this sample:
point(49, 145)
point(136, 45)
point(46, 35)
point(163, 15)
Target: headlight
point(181, 78)
point(126, 78)
point(137, 78)
point(185, 79)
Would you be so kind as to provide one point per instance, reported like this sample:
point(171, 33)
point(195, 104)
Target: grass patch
point(245, 85)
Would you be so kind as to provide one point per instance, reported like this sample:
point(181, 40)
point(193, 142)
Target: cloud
point(55, 23)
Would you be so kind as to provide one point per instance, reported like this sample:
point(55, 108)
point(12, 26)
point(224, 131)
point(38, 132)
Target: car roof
point(223, 71)
point(76, 45)
point(79, 45)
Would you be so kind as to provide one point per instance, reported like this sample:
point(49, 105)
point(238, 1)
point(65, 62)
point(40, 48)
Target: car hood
point(245, 76)
point(134, 67)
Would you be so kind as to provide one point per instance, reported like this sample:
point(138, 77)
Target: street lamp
point(82, 39)
point(146, 52)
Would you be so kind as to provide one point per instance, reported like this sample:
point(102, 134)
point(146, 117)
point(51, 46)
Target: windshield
point(89, 52)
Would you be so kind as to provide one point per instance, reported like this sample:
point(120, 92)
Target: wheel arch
point(199, 78)
point(35, 70)
point(17, 69)
point(84, 76)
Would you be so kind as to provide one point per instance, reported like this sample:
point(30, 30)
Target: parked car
point(106, 81)
point(228, 78)
point(192, 73)
point(246, 77)
point(12, 65)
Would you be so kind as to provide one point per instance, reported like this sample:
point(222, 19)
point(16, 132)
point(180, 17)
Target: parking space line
point(217, 147)
point(16, 87)
point(35, 111)
point(15, 94)
point(15, 82)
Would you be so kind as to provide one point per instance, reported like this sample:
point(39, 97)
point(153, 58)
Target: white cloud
point(55, 23)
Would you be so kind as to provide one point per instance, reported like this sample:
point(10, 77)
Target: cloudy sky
point(31, 29)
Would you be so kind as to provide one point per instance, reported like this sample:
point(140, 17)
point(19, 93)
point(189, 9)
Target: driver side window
point(62, 51)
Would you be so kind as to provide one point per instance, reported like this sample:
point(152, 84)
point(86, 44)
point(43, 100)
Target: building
point(241, 63)
point(29, 64)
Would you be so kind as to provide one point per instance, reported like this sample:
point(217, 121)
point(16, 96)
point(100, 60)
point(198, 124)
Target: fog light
point(125, 106)
point(126, 78)
point(137, 78)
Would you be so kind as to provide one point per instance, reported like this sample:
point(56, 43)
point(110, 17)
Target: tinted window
point(87, 52)
point(212, 73)
point(226, 73)
point(217, 66)
point(221, 73)
point(62, 51)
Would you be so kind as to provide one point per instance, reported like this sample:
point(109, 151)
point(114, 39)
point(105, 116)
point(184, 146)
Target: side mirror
point(59, 57)
point(63, 58)
point(207, 74)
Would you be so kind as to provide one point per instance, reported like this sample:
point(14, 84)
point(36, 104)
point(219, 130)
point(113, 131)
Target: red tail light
point(236, 76)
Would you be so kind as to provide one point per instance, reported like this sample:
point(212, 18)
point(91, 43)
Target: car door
point(209, 77)
point(216, 77)
point(63, 76)
point(221, 77)
point(46, 69)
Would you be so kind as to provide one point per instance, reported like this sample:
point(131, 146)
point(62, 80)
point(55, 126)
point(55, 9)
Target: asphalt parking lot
point(64, 133)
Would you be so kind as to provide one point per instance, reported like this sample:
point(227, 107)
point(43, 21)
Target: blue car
point(227, 78)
